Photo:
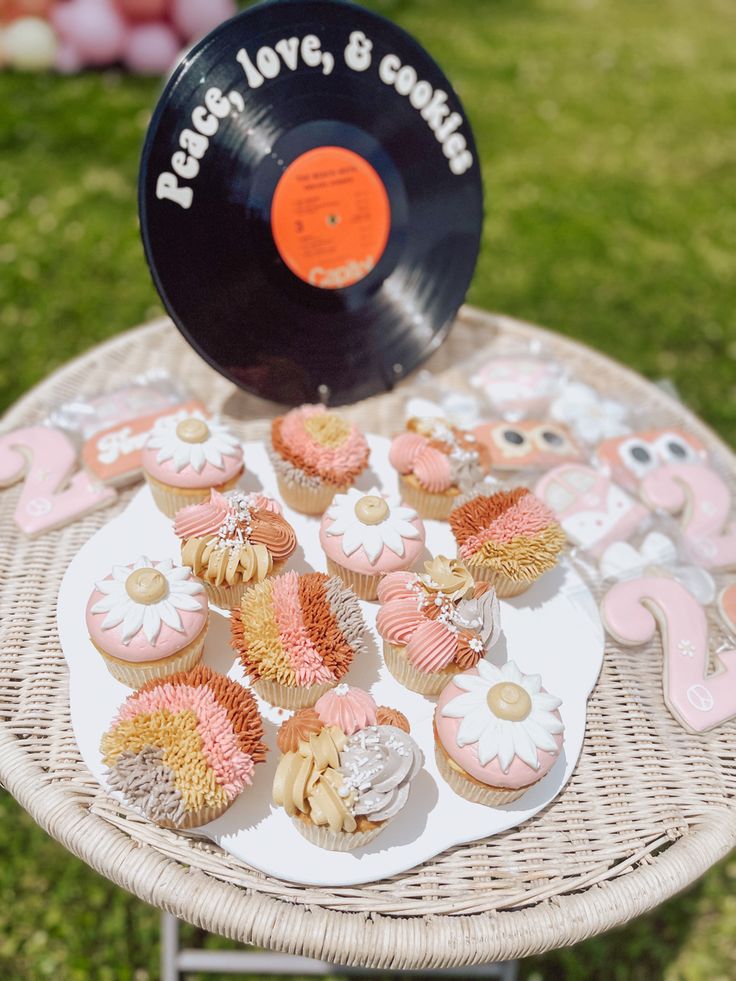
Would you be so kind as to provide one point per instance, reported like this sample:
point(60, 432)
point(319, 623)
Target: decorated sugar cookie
point(628, 459)
point(593, 511)
point(529, 445)
point(515, 386)
point(727, 606)
point(656, 555)
point(632, 612)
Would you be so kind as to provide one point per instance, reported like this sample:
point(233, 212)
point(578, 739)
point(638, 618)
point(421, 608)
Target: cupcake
point(347, 769)
point(188, 455)
point(296, 636)
point(435, 624)
point(148, 620)
point(233, 540)
point(316, 454)
point(507, 538)
point(436, 462)
point(497, 733)
point(183, 748)
point(366, 536)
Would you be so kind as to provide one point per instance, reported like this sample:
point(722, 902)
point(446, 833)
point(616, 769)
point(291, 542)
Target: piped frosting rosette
point(316, 454)
point(435, 623)
point(347, 768)
point(182, 749)
point(233, 540)
point(297, 635)
point(508, 538)
point(436, 461)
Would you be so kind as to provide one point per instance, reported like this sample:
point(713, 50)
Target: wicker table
point(649, 808)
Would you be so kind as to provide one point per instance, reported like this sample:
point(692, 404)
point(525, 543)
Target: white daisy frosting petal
point(371, 521)
point(191, 439)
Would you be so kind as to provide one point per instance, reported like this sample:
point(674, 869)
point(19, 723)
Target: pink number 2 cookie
point(46, 458)
point(633, 610)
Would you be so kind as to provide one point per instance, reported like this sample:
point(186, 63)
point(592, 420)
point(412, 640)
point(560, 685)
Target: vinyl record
point(310, 201)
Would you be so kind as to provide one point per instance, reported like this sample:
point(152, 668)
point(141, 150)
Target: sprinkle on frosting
point(298, 630)
point(378, 765)
point(319, 445)
point(193, 440)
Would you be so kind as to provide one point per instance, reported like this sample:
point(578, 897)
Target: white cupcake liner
point(364, 586)
point(336, 841)
point(170, 499)
point(290, 696)
point(425, 683)
point(308, 500)
point(137, 673)
point(194, 819)
point(505, 586)
point(466, 787)
point(436, 507)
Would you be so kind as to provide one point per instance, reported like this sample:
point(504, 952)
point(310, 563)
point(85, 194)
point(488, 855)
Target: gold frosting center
point(509, 701)
point(193, 431)
point(327, 429)
point(146, 586)
point(371, 510)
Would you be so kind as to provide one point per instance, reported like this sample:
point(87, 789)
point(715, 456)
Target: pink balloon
point(144, 9)
point(152, 49)
point(195, 18)
point(94, 28)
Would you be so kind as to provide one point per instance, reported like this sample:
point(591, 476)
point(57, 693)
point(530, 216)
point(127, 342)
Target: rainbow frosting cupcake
point(435, 624)
point(316, 454)
point(436, 462)
point(508, 538)
point(346, 770)
point(367, 536)
point(183, 749)
point(148, 620)
point(188, 454)
point(497, 733)
point(296, 636)
point(233, 540)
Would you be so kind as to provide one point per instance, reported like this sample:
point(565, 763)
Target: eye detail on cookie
point(629, 459)
point(527, 445)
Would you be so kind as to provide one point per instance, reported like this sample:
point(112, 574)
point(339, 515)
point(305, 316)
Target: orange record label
point(330, 217)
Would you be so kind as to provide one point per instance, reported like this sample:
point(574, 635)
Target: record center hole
point(333, 219)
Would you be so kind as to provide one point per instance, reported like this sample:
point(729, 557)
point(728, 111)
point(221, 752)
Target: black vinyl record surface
point(310, 201)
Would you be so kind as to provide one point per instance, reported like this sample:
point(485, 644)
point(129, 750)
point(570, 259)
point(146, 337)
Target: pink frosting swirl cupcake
point(316, 454)
point(367, 536)
point(186, 456)
point(148, 620)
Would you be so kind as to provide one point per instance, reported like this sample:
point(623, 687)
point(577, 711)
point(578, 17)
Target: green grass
point(606, 129)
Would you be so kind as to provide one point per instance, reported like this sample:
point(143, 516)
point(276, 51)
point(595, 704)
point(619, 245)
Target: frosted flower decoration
point(191, 439)
point(590, 416)
point(506, 714)
point(371, 521)
point(143, 598)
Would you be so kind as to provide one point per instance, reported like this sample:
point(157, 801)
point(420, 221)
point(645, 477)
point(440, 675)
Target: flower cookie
point(187, 455)
point(507, 538)
point(148, 620)
point(347, 769)
point(316, 454)
point(366, 536)
point(435, 624)
point(435, 462)
point(296, 636)
point(183, 749)
point(497, 733)
point(233, 540)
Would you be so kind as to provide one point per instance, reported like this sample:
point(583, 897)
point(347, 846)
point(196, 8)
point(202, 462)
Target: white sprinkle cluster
point(237, 527)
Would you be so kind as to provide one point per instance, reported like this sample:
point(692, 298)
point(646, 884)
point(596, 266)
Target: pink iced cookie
point(628, 459)
point(727, 606)
point(500, 725)
point(192, 451)
point(517, 385)
point(529, 445)
point(632, 612)
point(593, 511)
point(146, 611)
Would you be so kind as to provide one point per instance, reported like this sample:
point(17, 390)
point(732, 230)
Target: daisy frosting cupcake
point(148, 620)
point(436, 461)
point(435, 624)
point(346, 770)
point(316, 454)
point(183, 748)
point(233, 540)
point(188, 454)
point(366, 536)
point(508, 538)
point(497, 733)
point(296, 636)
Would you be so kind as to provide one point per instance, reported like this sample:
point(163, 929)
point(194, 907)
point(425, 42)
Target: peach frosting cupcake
point(497, 733)
point(148, 620)
point(436, 462)
point(233, 540)
point(188, 454)
point(296, 636)
point(346, 770)
point(316, 454)
point(508, 538)
point(435, 624)
point(182, 749)
point(367, 536)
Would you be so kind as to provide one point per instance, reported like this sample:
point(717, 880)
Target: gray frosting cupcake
point(378, 765)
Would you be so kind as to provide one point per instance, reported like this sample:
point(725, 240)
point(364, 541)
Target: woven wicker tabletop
point(648, 810)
